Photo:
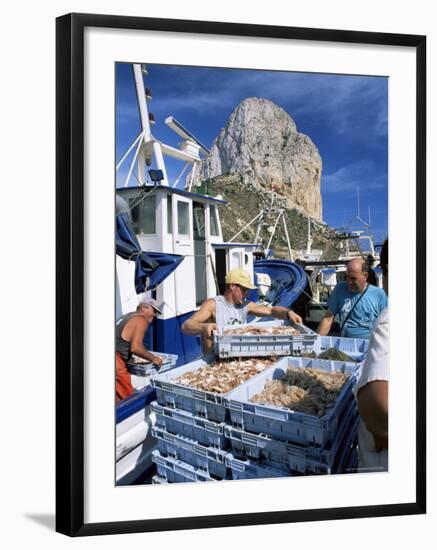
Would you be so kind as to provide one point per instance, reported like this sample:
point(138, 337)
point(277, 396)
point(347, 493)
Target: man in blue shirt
point(356, 303)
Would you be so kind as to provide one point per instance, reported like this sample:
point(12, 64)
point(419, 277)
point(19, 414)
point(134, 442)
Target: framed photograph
point(213, 174)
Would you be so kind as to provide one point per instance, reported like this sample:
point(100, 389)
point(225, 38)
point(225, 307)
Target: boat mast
point(148, 143)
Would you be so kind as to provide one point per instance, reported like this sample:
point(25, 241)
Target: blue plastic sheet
point(150, 267)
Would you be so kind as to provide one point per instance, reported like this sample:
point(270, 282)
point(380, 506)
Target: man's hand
point(294, 317)
point(157, 361)
point(208, 329)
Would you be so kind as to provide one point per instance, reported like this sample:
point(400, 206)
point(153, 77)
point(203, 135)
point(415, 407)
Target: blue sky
point(345, 116)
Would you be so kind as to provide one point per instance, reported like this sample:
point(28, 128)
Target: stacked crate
point(189, 427)
point(205, 436)
point(291, 441)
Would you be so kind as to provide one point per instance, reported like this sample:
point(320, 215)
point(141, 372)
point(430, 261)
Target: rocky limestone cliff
point(245, 201)
point(261, 143)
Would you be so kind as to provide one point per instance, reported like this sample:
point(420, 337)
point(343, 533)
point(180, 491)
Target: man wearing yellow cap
point(231, 309)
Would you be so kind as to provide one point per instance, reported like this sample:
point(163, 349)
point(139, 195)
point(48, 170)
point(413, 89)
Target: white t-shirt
point(375, 368)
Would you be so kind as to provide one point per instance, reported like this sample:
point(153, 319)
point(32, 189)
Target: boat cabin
point(174, 221)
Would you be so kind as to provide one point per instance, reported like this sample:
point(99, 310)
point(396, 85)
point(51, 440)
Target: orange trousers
point(123, 385)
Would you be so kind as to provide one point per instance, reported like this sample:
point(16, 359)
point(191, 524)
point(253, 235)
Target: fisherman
point(371, 391)
point(129, 335)
point(356, 302)
point(231, 309)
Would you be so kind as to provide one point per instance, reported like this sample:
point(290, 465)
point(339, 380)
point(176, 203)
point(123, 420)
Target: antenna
point(359, 218)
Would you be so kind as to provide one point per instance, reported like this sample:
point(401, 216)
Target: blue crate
point(285, 424)
point(356, 348)
point(205, 432)
point(247, 469)
point(291, 457)
point(258, 345)
point(147, 369)
point(349, 444)
point(176, 471)
point(158, 480)
point(209, 459)
point(201, 403)
point(351, 463)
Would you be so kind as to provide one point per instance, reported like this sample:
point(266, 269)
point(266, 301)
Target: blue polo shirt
point(360, 322)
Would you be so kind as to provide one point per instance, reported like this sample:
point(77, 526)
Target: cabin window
point(148, 218)
point(183, 218)
point(198, 221)
point(213, 225)
point(169, 214)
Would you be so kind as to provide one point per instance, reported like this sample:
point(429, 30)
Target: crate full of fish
point(142, 367)
point(209, 459)
point(171, 470)
point(298, 400)
point(200, 387)
point(331, 348)
point(292, 457)
point(177, 422)
point(264, 338)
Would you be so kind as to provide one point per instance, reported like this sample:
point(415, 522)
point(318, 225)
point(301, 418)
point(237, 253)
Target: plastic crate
point(356, 348)
point(247, 469)
point(205, 432)
point(176, 471)
point(158, 480)
point(350, 443)
point(209, 459)
point(201, 403)
point(292, 457)
point(351, 465)
point(147, 369)
point(255, 345)
point(285, 424)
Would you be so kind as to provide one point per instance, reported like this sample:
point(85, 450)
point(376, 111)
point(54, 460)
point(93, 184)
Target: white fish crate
point(291, 457)
point(257, 345)
point(177, 422)
point(201, 403)
point(247, 469)
point(284, 423)
point(356, 348)
point(171, 393)
point(209, 459)
point(147, 369)
point(177, 471)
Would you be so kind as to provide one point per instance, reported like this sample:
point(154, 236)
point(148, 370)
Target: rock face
point(261, 143)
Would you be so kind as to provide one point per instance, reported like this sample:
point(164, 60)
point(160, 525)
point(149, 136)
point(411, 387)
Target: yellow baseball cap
point(239, 277)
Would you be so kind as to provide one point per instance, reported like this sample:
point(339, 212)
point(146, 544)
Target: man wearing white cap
point(231, 309)
point(129, 336)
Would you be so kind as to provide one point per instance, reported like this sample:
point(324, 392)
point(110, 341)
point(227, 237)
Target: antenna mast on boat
point(147, 146)
point(271, 210)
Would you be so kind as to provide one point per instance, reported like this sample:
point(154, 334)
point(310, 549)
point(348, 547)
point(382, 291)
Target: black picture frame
point(70, 272)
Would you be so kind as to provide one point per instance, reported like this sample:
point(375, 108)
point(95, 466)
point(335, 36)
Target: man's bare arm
point(201, 323)
point(278, 312)
point(137, 328)
point(326, 323)
point(373, 406)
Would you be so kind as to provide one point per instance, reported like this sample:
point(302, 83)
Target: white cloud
point(349, 178)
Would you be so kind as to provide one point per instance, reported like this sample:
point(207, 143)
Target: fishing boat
point(170, 246)
point(323, 275)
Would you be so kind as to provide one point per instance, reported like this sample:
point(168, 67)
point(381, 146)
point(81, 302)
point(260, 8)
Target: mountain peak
point(261, 143)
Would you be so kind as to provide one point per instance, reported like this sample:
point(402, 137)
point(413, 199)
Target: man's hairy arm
point(136, 329)
point(373, 407)
point(201, 323)
point(326, 323)
point(278, 312)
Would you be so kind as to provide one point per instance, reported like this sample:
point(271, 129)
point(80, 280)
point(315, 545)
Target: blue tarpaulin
point(154, 266)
